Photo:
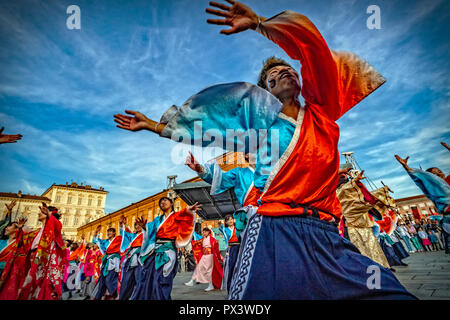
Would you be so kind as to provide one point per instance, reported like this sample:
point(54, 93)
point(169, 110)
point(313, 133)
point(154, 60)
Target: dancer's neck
point(291, 106)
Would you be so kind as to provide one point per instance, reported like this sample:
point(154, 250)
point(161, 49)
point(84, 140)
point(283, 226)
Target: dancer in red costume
point(207, 255)
point(47, 259)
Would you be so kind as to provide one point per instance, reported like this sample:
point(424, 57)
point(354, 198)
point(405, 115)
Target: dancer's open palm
point(9, 138)
point(193, 209)
point(137, 122)
point(403, 162)
point(142, 222)
point(10, 206)
point(192, 163)
point(239, 17)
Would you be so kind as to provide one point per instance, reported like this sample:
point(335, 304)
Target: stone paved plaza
point(427, 276)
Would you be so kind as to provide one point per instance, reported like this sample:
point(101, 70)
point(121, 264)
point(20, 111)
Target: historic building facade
point(79, 204)
point(26, 205)
point(149, 208)
point(412, 207)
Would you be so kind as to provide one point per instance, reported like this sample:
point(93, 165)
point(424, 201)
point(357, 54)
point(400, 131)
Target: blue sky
point(60, 87)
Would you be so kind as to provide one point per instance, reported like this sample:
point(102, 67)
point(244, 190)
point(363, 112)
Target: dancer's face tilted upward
point(11, 228)
point(165, 204)
point(283, 82)
point(436, 171)
point(137, 227)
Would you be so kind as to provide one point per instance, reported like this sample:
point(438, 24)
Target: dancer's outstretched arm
point(404, 162)
point(9, 138)
point(333, 81)
point(445, 145)
point(137, 121)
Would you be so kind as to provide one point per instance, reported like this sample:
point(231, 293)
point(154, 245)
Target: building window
point(65, 220)
point(405, 207)
point(58, 199)
point(79, 201)
point(89, 202)
point(99, 202)
point(69, 199)
point(421, 205)
point(75, 221)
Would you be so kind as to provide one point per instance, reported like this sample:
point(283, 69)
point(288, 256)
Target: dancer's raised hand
point(122, 220)
point(9, 138)
point(193, 209)
point(239, 17)
point(360, 176)
point(141, 221)
point(192, 163)
point(345, 171)
point(10, 206)
point(97, 230)
point(403, 162)
point(21, 222)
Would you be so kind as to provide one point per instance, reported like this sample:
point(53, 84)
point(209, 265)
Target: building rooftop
point(420, 196)
point(19, 195)
point(77, 186)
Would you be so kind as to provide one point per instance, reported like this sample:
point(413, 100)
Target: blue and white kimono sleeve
point(435, 188)
point(232, 116)
point(102, 244)
point(240, 179)
point(197, 236)
point(127, 239)
point(227, 233)
point(149, 237)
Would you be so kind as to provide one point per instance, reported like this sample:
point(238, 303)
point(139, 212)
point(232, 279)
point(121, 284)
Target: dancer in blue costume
point(433, 185)
point(130, 249)
point(110, 268)
point(158, 260)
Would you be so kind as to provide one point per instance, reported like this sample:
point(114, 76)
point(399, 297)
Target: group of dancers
point(305, 226)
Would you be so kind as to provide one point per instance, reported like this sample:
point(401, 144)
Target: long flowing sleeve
point(78, 252)
point(127, 238)
point(149, 237)
point(333, 81)
point(220, 180)
point(185, 222)
point(230, 116)
point(435, 188)
point(102, 244)
point(57, 231)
